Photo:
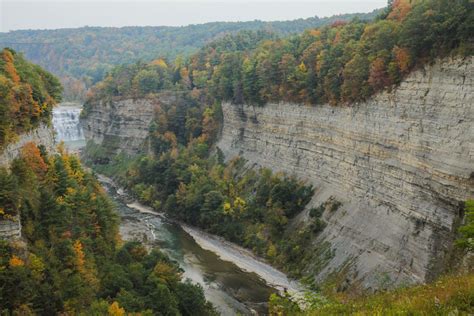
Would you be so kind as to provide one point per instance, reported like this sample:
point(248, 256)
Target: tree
point(355, 74)
point(466, 240)
point(378, 77)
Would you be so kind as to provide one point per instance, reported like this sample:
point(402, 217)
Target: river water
point(228, 287)
point(231, 289)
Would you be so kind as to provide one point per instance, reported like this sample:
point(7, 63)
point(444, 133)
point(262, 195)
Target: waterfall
point(67, 127)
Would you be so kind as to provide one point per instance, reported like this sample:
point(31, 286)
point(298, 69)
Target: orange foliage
point(403, 59)
point(400, 9)
point(16, 262)
point(9, 66)
point(32, 156)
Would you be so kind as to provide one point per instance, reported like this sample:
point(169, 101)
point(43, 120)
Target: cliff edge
point(401, 163)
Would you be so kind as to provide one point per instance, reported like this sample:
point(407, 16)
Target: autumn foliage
point(73, 263)
point(27, 95)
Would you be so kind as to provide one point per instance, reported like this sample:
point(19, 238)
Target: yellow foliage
point(166, 273)
point(227, 208)
point(80, 257)
point(171, 137)
point(272, 251)
point(16, 262)
point(315, 32)
point(302, 67)
point(159, 62)
point(36, 265)
point(116, 310)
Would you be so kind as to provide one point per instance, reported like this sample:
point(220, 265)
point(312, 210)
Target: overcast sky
point(40, 14)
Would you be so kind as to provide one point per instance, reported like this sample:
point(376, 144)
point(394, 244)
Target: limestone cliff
point(122, 125)
point(43, 135)
point(401, 164)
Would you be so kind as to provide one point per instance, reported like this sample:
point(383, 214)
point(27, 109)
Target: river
point(232, 278)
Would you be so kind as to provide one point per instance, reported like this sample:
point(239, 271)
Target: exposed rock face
point(10, 229)
point(401, 163)
point(122, 125)
point(43, 135)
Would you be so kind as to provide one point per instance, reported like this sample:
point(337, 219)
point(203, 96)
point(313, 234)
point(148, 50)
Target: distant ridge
point(82, 56)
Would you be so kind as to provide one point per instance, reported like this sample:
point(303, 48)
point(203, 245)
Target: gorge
point(401, 165)
point(230, 288)
point(329, 172)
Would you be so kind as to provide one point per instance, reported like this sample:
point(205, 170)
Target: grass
point(450, 295)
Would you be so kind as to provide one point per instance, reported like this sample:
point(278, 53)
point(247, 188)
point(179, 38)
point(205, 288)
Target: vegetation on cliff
point(342, 63)
point(27, 96)
point(82, 56)
point(73, 261)
point(182, 177)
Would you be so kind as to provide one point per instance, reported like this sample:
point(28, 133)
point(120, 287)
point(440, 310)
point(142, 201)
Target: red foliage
point(378, 77)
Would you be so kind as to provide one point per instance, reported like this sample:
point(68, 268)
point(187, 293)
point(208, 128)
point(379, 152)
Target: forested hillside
point(69, 257)
point(74, 261)
point(342, 63)
point(81, 57)
point(27, 96)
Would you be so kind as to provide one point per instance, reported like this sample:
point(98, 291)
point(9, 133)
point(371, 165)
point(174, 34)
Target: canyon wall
point(401, 163)
point(43, 135)
point(122, 125)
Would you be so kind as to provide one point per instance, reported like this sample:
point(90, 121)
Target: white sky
point(40, 14)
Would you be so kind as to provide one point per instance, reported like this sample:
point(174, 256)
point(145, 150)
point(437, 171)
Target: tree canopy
point(27, 95)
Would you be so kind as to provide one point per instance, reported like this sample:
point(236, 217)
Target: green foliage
point(344, 62)
point(82, 57)
point(72, 263)
point(27, 96)
point(249, 207)
point(340, 63)
point(448, 295)
point(466, 240)
point(279, 305)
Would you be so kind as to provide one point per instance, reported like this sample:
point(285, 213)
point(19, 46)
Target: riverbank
point(241, 257)
point(228, 251)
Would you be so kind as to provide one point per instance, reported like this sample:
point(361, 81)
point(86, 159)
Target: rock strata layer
point(43, 135)
point(122, 125)
point(401, 163)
